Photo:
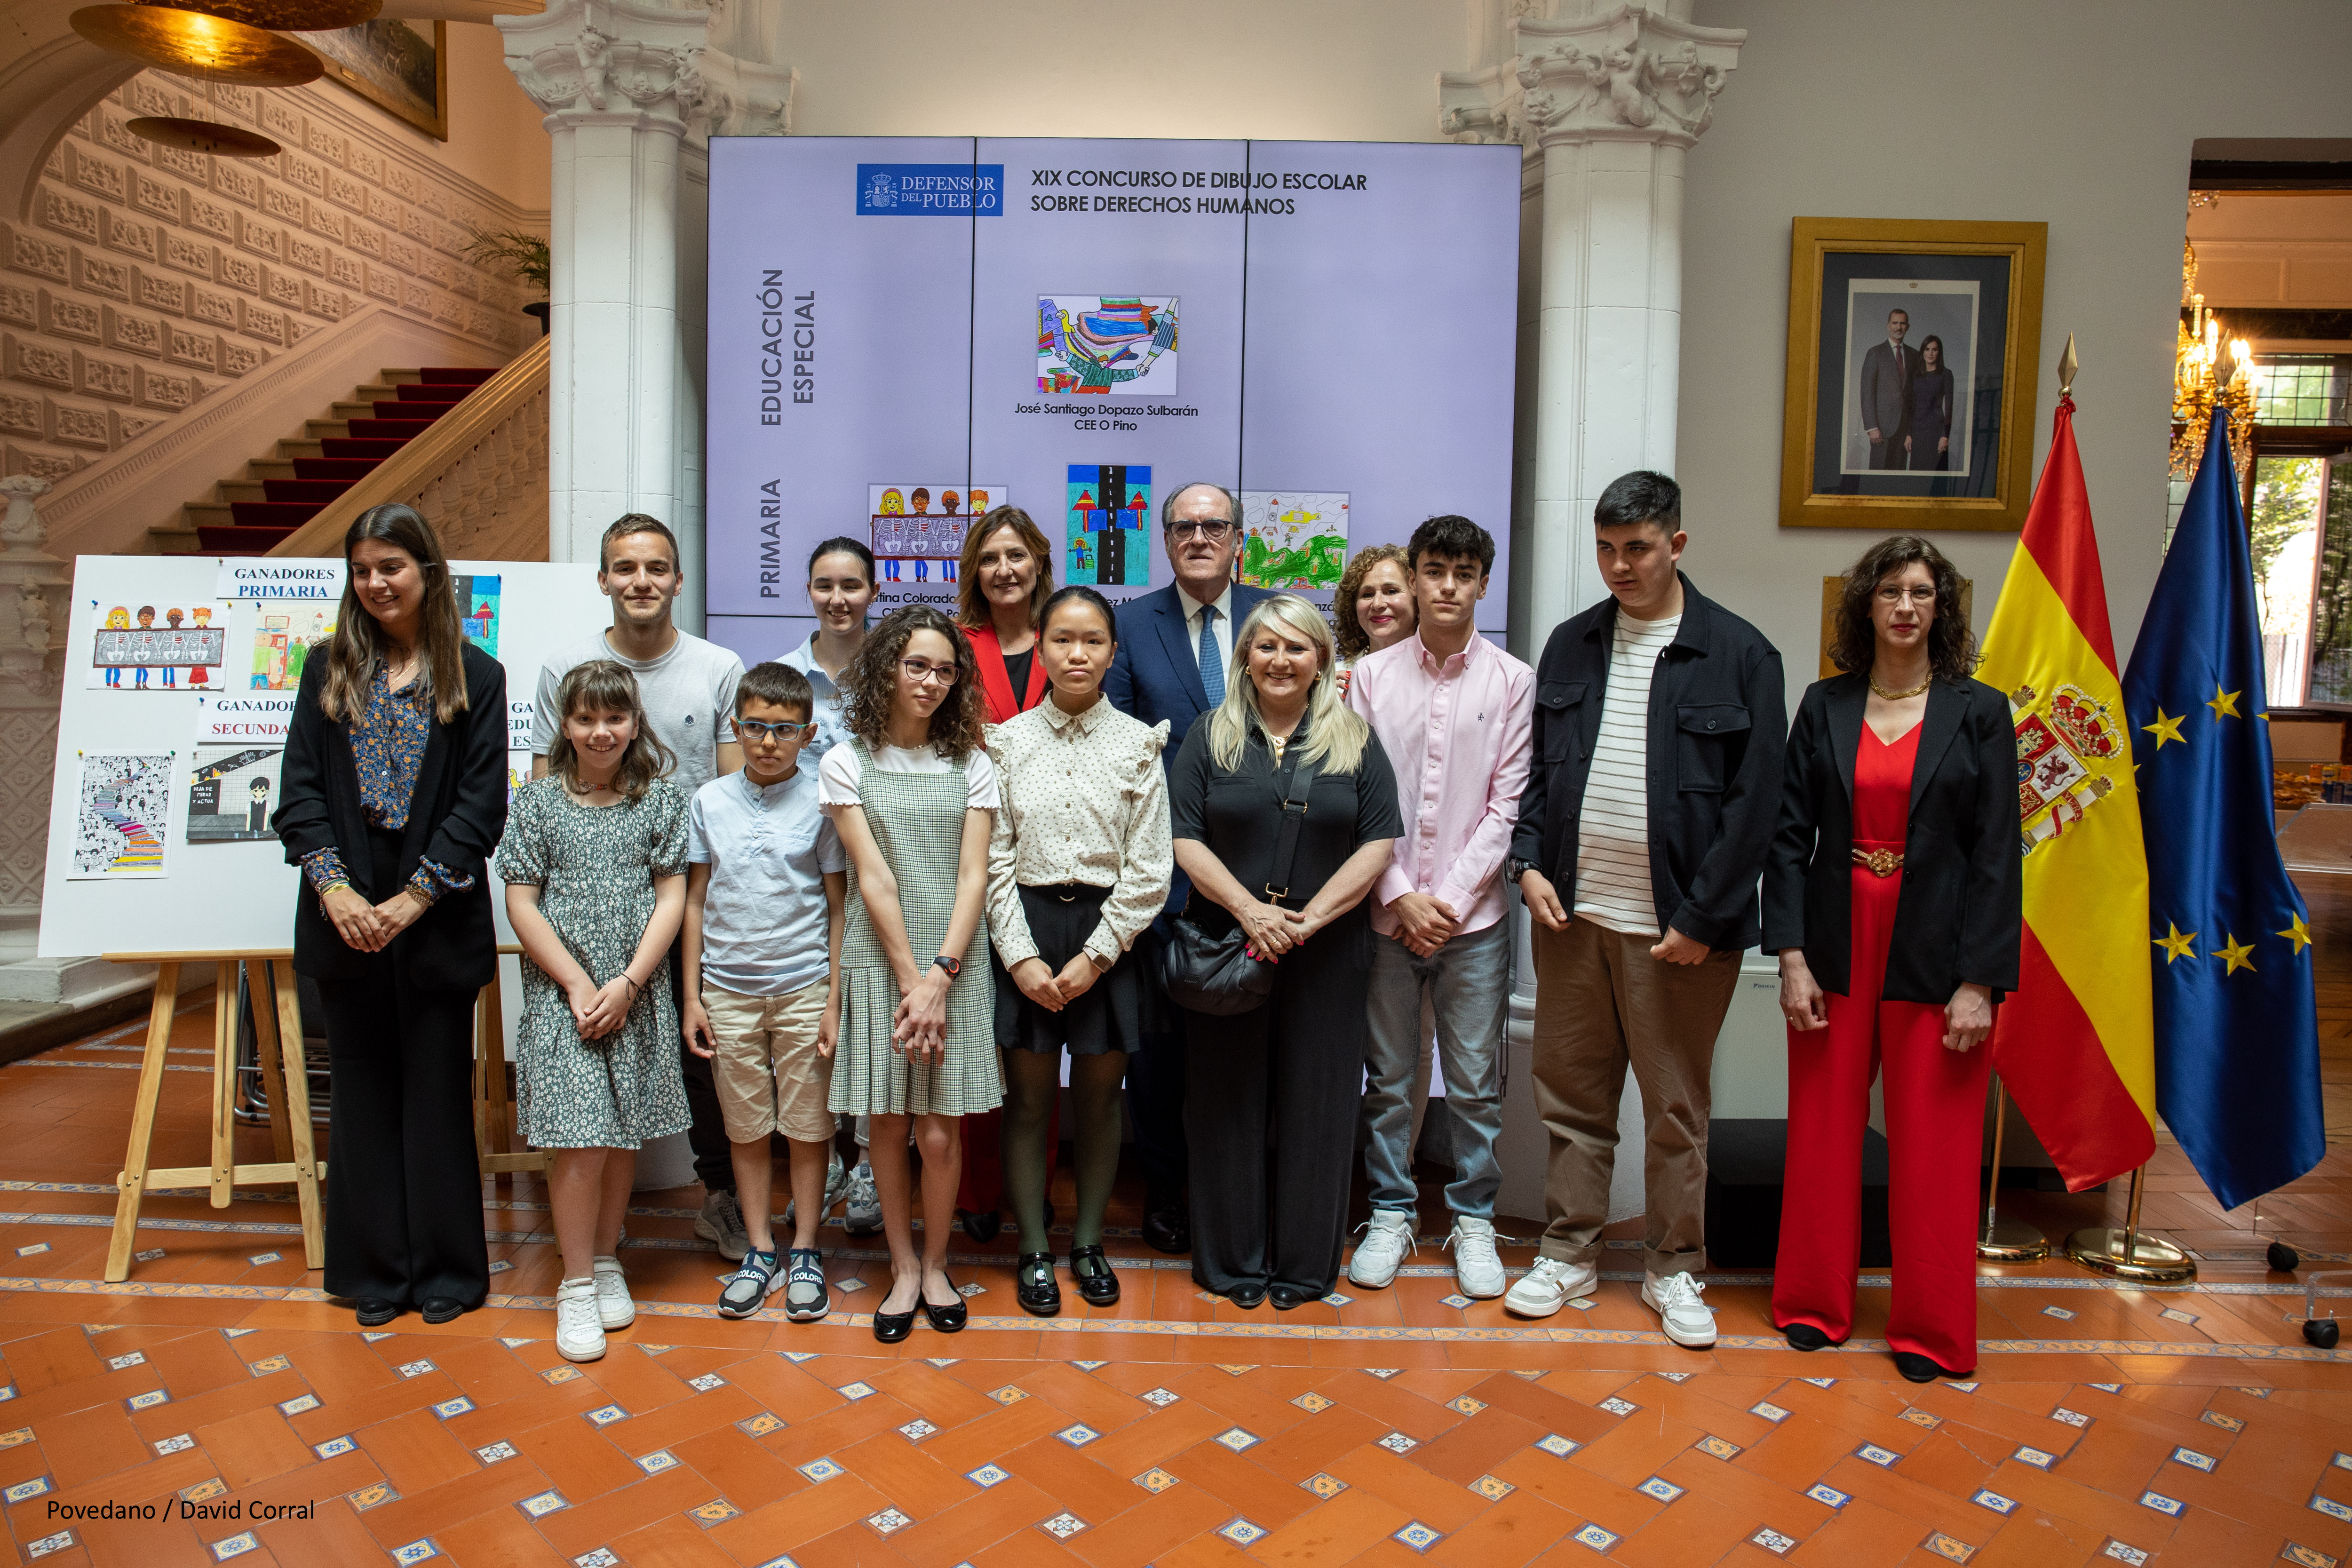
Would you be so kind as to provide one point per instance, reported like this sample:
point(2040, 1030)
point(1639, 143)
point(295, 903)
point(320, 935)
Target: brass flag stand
point(2005, 1239)
point(2128, 1255)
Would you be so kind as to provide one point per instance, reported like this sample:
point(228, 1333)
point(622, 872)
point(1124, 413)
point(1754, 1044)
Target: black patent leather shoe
point(1805, 1337)
point(374, 1312)
point(982, 1225)
point(891, 1327)
point(1288, 1298)
point(443, 1308)
point(946, 1319)
point(1098, 1282)
point(1249, 1298)
point(1168, 1228)
point(1034, 1287)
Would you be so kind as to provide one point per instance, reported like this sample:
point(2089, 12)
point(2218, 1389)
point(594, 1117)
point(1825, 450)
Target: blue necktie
point(1213, 668)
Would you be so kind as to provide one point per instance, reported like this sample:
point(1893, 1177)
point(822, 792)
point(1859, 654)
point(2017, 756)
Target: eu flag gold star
point(2298, 934)
point(2165, 728)
point(2224, 703)
point(2234, 954)
point(2176, 945)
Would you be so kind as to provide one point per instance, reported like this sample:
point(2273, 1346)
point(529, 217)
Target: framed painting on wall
point(395, 66)
point(1912, 356)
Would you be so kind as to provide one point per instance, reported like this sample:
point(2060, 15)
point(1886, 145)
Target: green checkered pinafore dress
point(916, 820)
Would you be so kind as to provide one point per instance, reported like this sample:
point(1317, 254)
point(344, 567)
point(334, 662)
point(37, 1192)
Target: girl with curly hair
point(913, 795)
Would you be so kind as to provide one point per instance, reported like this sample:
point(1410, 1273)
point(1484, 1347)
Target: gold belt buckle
point(1879, 862)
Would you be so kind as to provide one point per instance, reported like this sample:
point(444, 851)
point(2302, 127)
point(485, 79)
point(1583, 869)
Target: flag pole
point(2006, 1240)
point(2128, 1255)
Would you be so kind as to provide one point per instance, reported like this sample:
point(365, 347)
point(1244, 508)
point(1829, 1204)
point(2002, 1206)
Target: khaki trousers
point(1603, 1002)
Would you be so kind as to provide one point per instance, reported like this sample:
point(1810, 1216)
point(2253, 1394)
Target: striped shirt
point(1612, 840)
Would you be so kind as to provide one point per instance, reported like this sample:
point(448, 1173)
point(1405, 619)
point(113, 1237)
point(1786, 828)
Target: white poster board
point(135, 867)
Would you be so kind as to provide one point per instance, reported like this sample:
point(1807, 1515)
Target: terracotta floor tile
point(1030, 1548)
point(2117, 1458)
point(1140, 1444)
point(139, 1544)
point(415, 1451)
point(83, 1445)
point(1632, 1451)
point(1927, 1505)
point(1470, 1449)
point(499, 1486)
point(335, 1535)
point(991, 1436)
point(1307, 1447)
point(1147, 1531)
point(580, 1459)
point(670, 1542)
point(1695, 1529)
point(1338, 1531)
point(1071, 1474)
point(1759, 1499)
point(1436, 1501)
point(1088, 1399)
point(851, 1546)
point(939, 1398)
point(497, 1540)
point(1798, 1452)
point(1403, 1409)
point(2121, 1518)
point(973, 1525)
point(2221, 1494)
point(748, 1474)
point(600, 1520)
point(254, 1446)
point(1264, 1498)
point(2216, 1540)
point(915, 1482)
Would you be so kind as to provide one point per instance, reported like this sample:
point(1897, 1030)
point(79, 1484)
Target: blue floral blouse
point(388, 738)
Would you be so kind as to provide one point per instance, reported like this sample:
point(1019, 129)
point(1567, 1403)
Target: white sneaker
point(861, 1213)
point(1476, 1270)
point(1550, 1284)
point(614, 1308)
point(1388, 1240)
point(579, 1332)
point(1688, 1321)
point(720, 1223)
point(836, 1181)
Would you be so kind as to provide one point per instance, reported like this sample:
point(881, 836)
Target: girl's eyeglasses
point(755, 730)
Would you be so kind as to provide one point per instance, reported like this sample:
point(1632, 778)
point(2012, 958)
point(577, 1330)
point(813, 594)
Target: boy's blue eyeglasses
point(754, 729)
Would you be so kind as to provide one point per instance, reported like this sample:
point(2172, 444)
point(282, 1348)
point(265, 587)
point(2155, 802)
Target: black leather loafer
point(1098, 1282)
point(374, 1312)
point(1034, 1287)
point(946, 1319)
point(1167, 1228)
point(1249, 1298)
point(1917, 1368)
point(443, 1308)
point(1288, 1298)
point(1805, 1337)
point(982, 1225)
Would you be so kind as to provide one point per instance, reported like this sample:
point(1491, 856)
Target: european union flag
point(2237, 1031)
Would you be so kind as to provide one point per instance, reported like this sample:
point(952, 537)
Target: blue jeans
point(1469, 979)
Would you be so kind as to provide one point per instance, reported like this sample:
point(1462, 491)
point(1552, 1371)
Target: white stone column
point(624, 86)
point(1606, 98)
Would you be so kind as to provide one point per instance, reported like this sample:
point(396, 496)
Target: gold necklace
point(1900, 696)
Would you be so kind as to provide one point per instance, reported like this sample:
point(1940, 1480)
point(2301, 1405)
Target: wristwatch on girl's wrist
point(954, 966)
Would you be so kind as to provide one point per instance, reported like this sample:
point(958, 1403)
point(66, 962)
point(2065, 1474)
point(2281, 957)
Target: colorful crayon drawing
point(919, 530)
point(1108, 532)
point(1294, 540)
point(284, 631)
point(231, 793)
point(146, 648)
point(477, 611)
point(125, 808)
point(1121, 345)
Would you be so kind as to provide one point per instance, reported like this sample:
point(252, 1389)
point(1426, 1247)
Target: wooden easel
point(277, 1030)
point(284, 1077)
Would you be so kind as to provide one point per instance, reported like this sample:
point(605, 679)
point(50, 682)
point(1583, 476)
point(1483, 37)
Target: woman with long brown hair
point(1894, 895)
point(392, 794)
point(913, 795)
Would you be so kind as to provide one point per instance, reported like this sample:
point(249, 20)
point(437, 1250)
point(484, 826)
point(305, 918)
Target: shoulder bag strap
point(1286, 845)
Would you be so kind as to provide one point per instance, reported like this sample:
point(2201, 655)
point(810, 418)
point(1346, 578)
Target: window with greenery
point(2302, 389)
point(2331, 610)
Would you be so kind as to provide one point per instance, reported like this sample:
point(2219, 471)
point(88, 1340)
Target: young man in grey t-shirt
point(687, 685)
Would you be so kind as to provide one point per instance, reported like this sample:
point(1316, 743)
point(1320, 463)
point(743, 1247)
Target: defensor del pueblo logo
point(930, 190)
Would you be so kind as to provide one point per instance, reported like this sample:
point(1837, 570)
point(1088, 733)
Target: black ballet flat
point(1916, 1368)
point(374, 1312)
point(1805, 1337)
point(1288, 1298)
point(1098, 1282)
point(1034, 1287)
point(443, 1308)
point(1249, 1298)
point(891, 1327)
point(945, 1320)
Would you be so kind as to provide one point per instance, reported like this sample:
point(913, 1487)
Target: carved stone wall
point(148, 277)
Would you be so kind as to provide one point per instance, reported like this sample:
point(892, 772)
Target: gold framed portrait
point(1912, 353)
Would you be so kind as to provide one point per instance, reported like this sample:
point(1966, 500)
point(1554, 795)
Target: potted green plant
point(523, 257)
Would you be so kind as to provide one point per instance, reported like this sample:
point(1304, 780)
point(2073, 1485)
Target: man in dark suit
point(1175, 651)
point(1887, 373)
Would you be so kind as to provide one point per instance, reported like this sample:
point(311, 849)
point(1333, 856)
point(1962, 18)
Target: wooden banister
point(459, 446)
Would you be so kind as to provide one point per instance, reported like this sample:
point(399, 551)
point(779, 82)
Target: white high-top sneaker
point(579, 1331)
point(1388, 1240)
point(1476, 1270)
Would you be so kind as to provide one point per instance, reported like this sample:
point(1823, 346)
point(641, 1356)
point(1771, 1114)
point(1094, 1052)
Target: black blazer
point(454, 819)
point(1713, 769)
point(1958, 918)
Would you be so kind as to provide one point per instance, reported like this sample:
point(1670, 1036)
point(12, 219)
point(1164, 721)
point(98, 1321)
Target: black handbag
point(1214, 973)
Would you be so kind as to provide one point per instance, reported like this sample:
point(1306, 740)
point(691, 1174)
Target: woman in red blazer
point(1002, 583)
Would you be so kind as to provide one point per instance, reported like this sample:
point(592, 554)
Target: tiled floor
point(2185, 1425)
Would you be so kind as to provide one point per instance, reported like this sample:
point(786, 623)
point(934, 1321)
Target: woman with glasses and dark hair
point(392, 797)
point(1929, 437)
point(913, 796)
point(1894, 895)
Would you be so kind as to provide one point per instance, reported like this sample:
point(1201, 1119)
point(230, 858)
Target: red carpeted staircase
point(279, 494)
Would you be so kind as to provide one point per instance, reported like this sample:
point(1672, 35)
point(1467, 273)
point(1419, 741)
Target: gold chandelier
point(2205, 376)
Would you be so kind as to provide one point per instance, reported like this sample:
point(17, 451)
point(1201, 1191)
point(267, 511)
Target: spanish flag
point(2075, 1042)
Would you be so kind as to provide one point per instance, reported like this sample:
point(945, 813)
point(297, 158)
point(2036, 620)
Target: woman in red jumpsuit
point(1894, 896)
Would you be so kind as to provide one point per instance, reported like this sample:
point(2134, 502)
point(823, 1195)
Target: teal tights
point(1032, 1081)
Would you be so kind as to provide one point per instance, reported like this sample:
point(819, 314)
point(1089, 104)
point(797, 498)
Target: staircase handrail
point(429, 455)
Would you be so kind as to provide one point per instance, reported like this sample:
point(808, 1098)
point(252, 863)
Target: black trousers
point(403, 1191)
point(1155, 1085)
point(714, 1157)
point(1289, 1075)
